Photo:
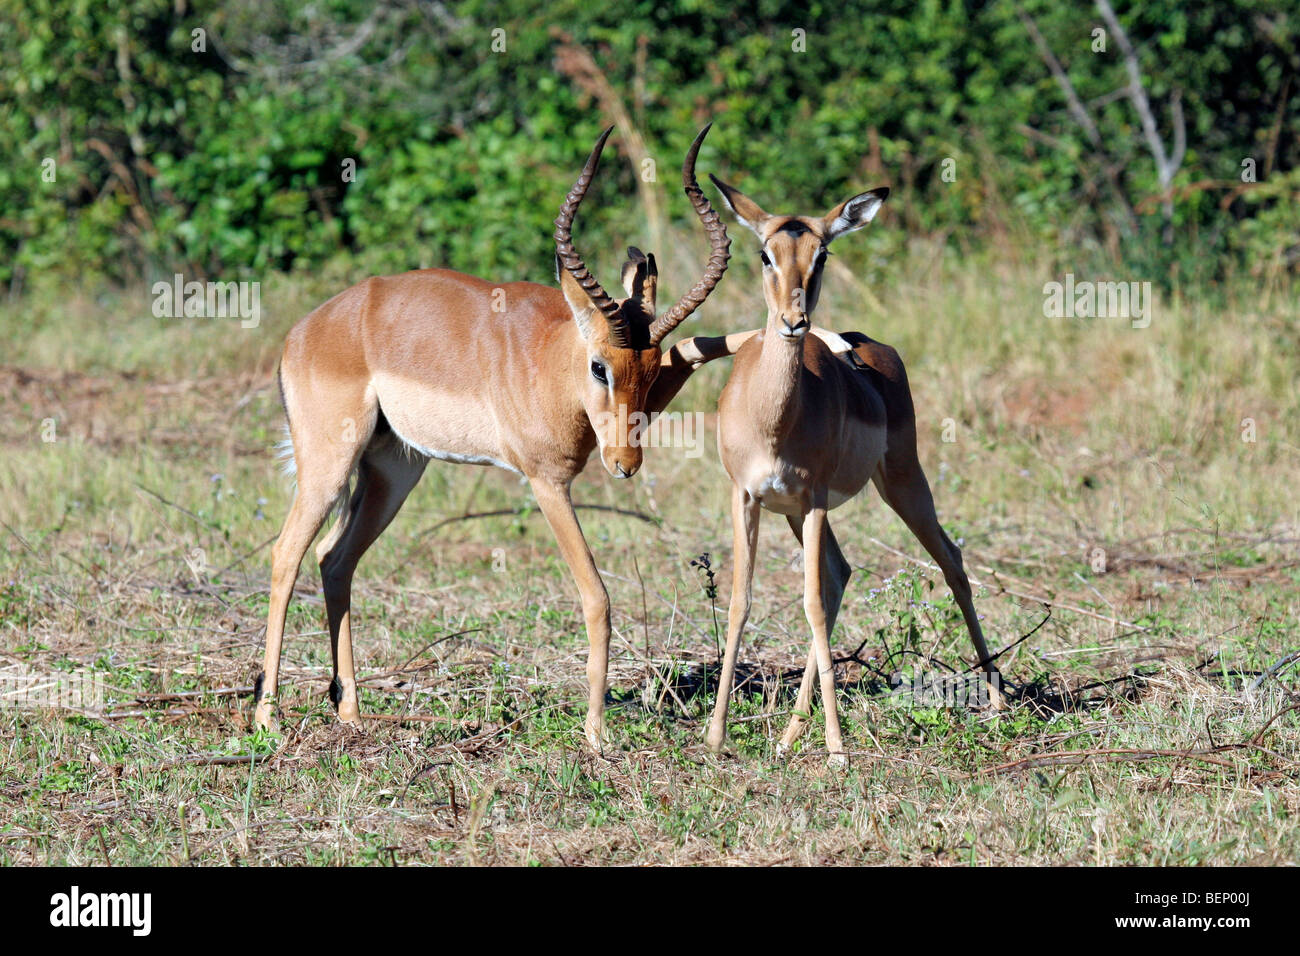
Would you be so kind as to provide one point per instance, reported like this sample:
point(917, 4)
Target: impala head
point(794, 251)
point(621, 337)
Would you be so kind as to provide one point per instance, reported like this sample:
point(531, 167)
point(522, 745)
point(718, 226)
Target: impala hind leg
point(330, 425)
point(558, 507)
point(744, 526)
point(835, 575)
point(385, 477)
point(318, 490)
point(903, 487)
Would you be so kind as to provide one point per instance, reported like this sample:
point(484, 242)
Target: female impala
point(801, 432)
point(436, 364)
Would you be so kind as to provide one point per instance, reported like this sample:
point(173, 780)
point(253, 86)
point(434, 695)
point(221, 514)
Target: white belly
point(777, 493)
point(440, 425)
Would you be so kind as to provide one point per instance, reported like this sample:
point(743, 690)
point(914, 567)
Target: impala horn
point(620, 334)
point(717, 263)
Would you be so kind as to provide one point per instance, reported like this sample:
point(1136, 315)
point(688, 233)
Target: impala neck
point(568, 351)
point(774, 393)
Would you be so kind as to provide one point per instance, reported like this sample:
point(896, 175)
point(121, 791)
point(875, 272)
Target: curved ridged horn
point(717, 264)
point(619, 334)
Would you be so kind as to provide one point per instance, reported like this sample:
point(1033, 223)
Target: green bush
point(223, 151)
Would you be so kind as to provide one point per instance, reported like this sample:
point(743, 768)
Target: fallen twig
point(1073, 757)
point(992, 657)
point(1120, 754)
point(1003, 589)
point(511, 512)
point(1278, 667)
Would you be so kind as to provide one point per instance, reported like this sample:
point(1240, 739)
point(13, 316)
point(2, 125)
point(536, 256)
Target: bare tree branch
point(1080, 113)
point(1072, 101)
point(1180, 131)
point(1166, 166)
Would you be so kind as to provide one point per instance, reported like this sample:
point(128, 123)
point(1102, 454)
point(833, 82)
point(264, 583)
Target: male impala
point(801, 432)
point(436, 364)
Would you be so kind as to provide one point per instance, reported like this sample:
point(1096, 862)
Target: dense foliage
point(219, 138)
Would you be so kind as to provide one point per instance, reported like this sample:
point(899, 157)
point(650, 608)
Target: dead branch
point(1003, 589)
point(1080, 113)
point(1124, 754)
point(512, 512)
point(1167, 165)
point(576, 62)
point(1276, 668)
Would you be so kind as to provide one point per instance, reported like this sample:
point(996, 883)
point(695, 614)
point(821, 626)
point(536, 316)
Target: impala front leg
point(835, 574)
point(744, 521)
point(814, 542)
point(558, 507)
point(681, 361)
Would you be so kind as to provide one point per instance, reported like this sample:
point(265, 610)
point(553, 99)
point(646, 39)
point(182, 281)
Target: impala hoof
point(792, 732)
point(838, 761)
point(264, 717)
point(996, 699)
point(264, 711)
point(345, 702)
point(596, 737)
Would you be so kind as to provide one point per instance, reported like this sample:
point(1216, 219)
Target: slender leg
point(558, 507)
point(311, 506)
point(330, 428)
point(802, 705)
point(681, 361)
point(744, 526)
point(835, 575)
point(836, 571)
point(904, 488)
point(385, 478)
point(814, 526)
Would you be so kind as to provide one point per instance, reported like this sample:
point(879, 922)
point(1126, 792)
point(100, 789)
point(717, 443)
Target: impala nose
point(793, 330)
point(621, 469)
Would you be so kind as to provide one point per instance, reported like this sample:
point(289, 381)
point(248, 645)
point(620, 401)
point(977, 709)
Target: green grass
point(1097, 466)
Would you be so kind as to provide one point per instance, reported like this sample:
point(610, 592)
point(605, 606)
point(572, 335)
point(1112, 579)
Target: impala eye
point(767, 263)
point(598, 373)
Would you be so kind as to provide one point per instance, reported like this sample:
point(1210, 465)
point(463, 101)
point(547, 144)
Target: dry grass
point(136, 555)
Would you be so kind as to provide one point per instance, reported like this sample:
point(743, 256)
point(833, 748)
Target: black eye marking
point(598, 373)
point(794, 227)
point(767, 263)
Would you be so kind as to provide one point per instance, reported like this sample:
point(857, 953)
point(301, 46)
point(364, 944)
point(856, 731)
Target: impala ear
point(635, 271)
point(580, 304)
point(641, 277)
point(749, 213)
point(853, 214)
